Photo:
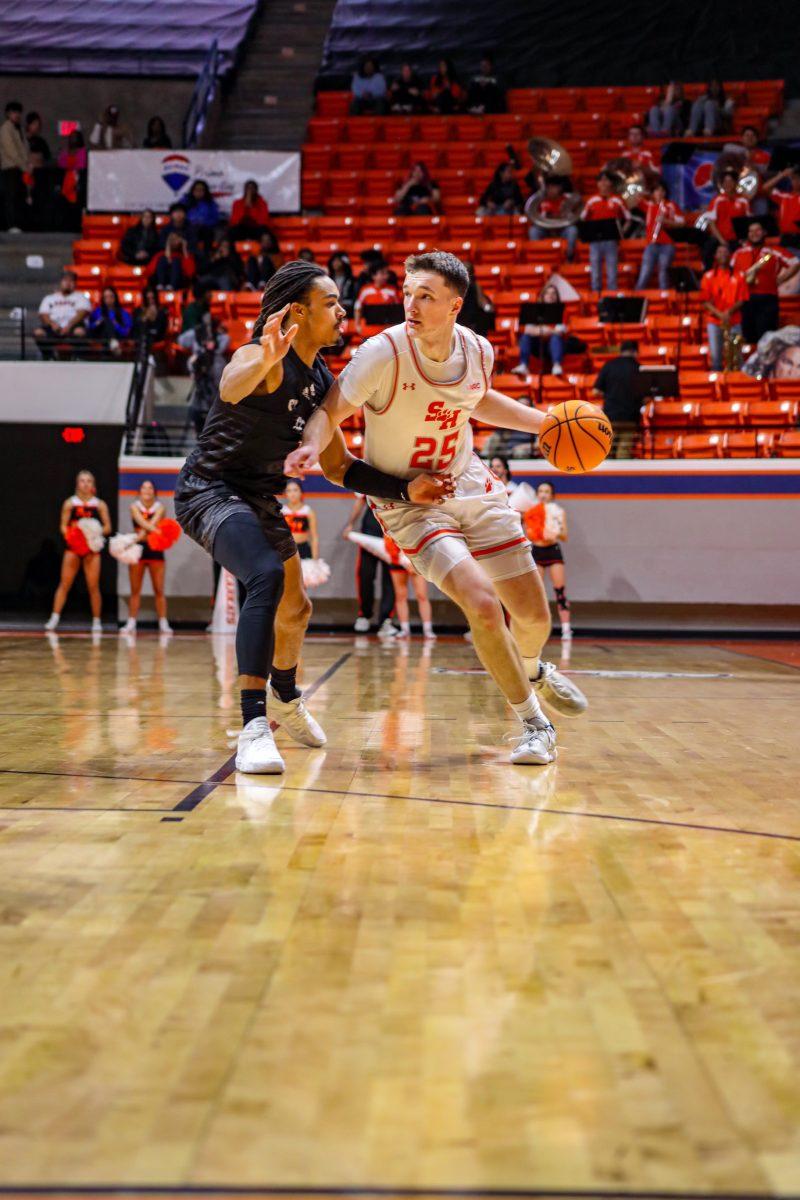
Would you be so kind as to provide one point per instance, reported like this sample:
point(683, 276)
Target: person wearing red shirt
point(723, 293)
point(723, 208)
point(175, 268)
point(637, 152)
point(763, 269)
point(556, 202)
point(380, 290)
point(754, 156)
point(250, 213)
point(660, 215)
point(788, 204)
point(604, 206)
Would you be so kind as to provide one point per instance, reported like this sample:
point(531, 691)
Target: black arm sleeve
point(369, 481)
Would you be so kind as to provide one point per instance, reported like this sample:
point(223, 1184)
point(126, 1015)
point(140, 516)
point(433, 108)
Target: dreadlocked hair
point(290, 284)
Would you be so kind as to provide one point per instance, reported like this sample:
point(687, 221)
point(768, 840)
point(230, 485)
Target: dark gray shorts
point(201, 505)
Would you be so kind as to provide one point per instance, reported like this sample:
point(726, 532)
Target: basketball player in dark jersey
point(226, 496)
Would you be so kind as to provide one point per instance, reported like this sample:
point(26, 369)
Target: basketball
point(575, 437)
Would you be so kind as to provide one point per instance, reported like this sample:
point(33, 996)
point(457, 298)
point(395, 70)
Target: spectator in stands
point(380, 290)
point(110, 133)
point(369, 90)
point(484, 94)
point(555, 203)
point(724, 207)
point(503, 195)
point(150, 318)
point(604, 205)
point(156, 137)
point(711, 111)
point(509, 443)
point(202, 213)
point(667, 115)
point(477, 310)
point(619, 387)
point(72, 162)
point(250, 213)
point(175, 268)
point(660, 214)
point(341, 273)
point(14, 158)
point(754, 156)
point(723, 293)
point(788, 204)
point(193, 312)
point(405, 93)
point(445, 93)
point(140, 242)
point(224, 270)
point(545, 341)
point(777, 355)
point(262, 266)
point(637, 152)
point(178, 223)
point(208, 346)
point(307, 254)
point(62, 314)
point(764, 270)
point(110, 321)
point(33, 135)
point(419, 195)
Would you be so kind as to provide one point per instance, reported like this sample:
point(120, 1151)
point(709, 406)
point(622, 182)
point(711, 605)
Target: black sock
point(285, 684)
point(254, 704)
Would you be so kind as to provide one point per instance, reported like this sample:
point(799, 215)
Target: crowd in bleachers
point(370, 198)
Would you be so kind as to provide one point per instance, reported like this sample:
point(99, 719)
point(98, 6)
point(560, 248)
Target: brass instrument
point(731, 349)
point(570, 211)
point(750, 276)
point(550, 158)
point(748, 179)
point(631, 182)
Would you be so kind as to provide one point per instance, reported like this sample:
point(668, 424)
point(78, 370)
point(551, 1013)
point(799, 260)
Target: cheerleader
point(146, 512)
point(302, 521)
point(84, 543)
point(546, 526)
point(402, 570)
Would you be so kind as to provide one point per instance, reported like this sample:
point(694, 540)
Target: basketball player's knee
point(561, 598)
point(265, 583)
point(483, 608)
point(297, 614)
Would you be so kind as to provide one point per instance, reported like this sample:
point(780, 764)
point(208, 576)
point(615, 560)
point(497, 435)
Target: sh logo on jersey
point(444, 417)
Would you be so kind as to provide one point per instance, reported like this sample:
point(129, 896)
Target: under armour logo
point(410, 386)
point(293, 404)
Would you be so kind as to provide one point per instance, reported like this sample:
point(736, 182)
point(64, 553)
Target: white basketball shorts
point(477, 522)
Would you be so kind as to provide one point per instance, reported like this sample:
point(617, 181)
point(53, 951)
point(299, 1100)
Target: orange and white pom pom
point(125, 547)
point(315, 572)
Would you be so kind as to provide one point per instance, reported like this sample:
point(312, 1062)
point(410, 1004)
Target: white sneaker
point(361, 625)
point(559, 692)
point(164, 625)
point(519, 369)
point(557, 369)
point(294, 717)
point(129, 626)
point(388, 630)
point(52, 621)
point(256, 752)
point(536, 745)
point(468, 636)
point(97, 625)
point(429, 635)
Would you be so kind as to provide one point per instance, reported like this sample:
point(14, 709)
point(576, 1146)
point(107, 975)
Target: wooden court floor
point(406, 966)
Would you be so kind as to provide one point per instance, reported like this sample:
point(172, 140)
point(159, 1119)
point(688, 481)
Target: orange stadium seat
point(672, 414)
point(787, 444)
point(717, 414)
point(748, 443)
point(772, 414)
point(699, 445)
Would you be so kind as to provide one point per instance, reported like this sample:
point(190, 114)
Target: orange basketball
point(575, 436)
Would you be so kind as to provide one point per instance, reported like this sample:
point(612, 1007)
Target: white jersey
point(417, 411)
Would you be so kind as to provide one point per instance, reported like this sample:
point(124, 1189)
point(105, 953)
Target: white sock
point(566, 628)
point(164, 625)
point(427, 627)
point(405, 627)
point(532, 667)
point(55, 618)
point(529, 709)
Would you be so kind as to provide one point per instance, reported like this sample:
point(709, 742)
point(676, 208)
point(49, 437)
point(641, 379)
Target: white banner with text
point(130, 180)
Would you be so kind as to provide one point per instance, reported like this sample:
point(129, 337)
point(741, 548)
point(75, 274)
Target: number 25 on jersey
point(429, 456)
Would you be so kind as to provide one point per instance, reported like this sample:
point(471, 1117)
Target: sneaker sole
point(534, 762)
point(272, 769)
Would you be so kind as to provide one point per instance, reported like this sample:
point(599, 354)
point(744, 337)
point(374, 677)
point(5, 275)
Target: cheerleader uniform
point(82, 509)
point(148, 555)
point(548, 532)
point(298, 521)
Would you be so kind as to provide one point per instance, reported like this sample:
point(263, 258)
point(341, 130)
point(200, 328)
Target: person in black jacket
point(341, 273)
point(262, 266)
point(150, 318)
point(157, 137)
point(484, 94)
point(141, 241)
point(503, 195)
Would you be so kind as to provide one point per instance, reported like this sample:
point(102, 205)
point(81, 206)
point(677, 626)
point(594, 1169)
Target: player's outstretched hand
point(431, 489)
point(274, 342)
point(300, 461)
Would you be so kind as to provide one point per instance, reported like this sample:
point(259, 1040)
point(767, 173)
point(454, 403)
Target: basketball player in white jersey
point(418, 384)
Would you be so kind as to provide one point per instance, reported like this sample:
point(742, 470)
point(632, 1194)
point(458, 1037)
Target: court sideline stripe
point(199, 794)
point(223, 1190)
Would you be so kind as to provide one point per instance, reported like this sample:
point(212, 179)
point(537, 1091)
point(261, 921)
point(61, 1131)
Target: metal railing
point(205, 89)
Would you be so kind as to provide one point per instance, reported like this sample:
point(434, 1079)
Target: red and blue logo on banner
point(175, 171)
point(691, 184)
